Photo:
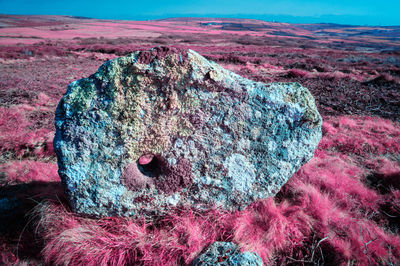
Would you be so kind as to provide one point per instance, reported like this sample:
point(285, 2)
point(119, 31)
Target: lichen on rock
point(162, 128)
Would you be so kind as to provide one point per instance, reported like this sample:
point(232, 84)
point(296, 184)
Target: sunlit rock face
point(164, 128)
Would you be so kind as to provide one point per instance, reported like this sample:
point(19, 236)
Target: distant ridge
point(318, 31)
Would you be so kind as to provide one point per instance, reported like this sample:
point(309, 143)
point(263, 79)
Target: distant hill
point(69, 27)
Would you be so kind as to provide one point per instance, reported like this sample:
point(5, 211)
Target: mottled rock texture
point(227, 254)
point(162, 128)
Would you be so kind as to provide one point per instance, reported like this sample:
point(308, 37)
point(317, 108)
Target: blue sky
point(362, 12)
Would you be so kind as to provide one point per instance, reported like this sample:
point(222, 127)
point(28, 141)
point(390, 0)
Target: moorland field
point(342, 208)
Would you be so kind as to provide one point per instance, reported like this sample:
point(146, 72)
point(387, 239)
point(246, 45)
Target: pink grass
point(18, 172)
point(17, 135)
point(327, 201)
point(361, 135)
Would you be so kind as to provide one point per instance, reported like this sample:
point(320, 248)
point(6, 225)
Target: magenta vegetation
point(342, 208)
point(329, 211)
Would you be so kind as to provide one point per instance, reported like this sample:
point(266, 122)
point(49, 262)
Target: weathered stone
point(228, 254)
point(166, 127)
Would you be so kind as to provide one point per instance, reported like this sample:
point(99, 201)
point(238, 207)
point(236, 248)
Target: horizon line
point(259, 17)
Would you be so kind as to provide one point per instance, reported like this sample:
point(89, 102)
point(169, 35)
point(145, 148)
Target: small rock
point(165, 128)
point(227, 253)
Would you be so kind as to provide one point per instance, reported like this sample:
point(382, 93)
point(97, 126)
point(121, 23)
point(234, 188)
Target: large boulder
point(158, 129)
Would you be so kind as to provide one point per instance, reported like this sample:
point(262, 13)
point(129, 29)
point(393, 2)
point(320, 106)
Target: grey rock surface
point(227, 254)
point(158, 129)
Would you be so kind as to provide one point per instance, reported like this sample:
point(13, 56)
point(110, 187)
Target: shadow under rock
point(16, 219)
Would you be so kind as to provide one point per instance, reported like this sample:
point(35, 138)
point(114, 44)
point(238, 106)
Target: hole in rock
point(149, 165)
